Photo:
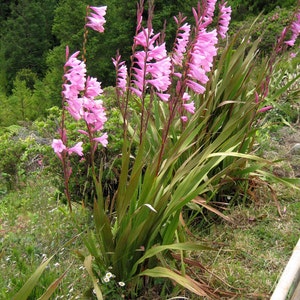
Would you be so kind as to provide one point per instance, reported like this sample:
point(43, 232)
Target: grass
point(33, 226)
point(251, 252)
point(254, 250)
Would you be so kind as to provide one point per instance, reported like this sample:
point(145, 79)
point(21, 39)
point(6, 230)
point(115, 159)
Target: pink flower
point(76, 149)
point(40, 162)
point(264, 109)
point(97, 20)
point(163, 97)
point(102, 139)
point(186, 97)
point(58, 146)
point(94, 114)
point(93, 88)
point(224, 19)
point(190, 107)
point(83, 132)
point(145, 38)
point(196, 87)
point(184, 118)
point(75, 108)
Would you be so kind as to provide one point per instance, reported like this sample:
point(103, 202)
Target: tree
point(243, 8)
point(27, 36)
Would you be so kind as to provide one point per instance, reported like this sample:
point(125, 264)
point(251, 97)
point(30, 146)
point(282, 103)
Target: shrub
point(22, 152)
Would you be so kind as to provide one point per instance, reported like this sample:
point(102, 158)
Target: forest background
point(34, 35)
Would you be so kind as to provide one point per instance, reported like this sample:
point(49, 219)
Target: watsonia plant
point(190, 135)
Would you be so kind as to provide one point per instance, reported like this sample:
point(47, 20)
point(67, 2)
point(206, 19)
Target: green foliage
point(3, 82)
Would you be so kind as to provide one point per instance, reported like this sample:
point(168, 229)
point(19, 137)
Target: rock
point(296, 149)
point(22, 133)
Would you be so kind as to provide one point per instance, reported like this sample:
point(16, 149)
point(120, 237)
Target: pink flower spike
point(76, 149)
point(264, 109)
point(102, 139)
point(295, 27)
point(75, 76)
point(201, 60)
point(181, 43)
point(121, 71)
point(224, 19)
point(97, 20)
point(210, 9)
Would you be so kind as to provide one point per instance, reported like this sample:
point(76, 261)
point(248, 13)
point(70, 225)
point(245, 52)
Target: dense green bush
point(268, 28)
point(22, 152)
point(286, 109)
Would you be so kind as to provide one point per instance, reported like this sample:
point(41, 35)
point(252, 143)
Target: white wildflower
point(109, 275)
point(121, 283)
